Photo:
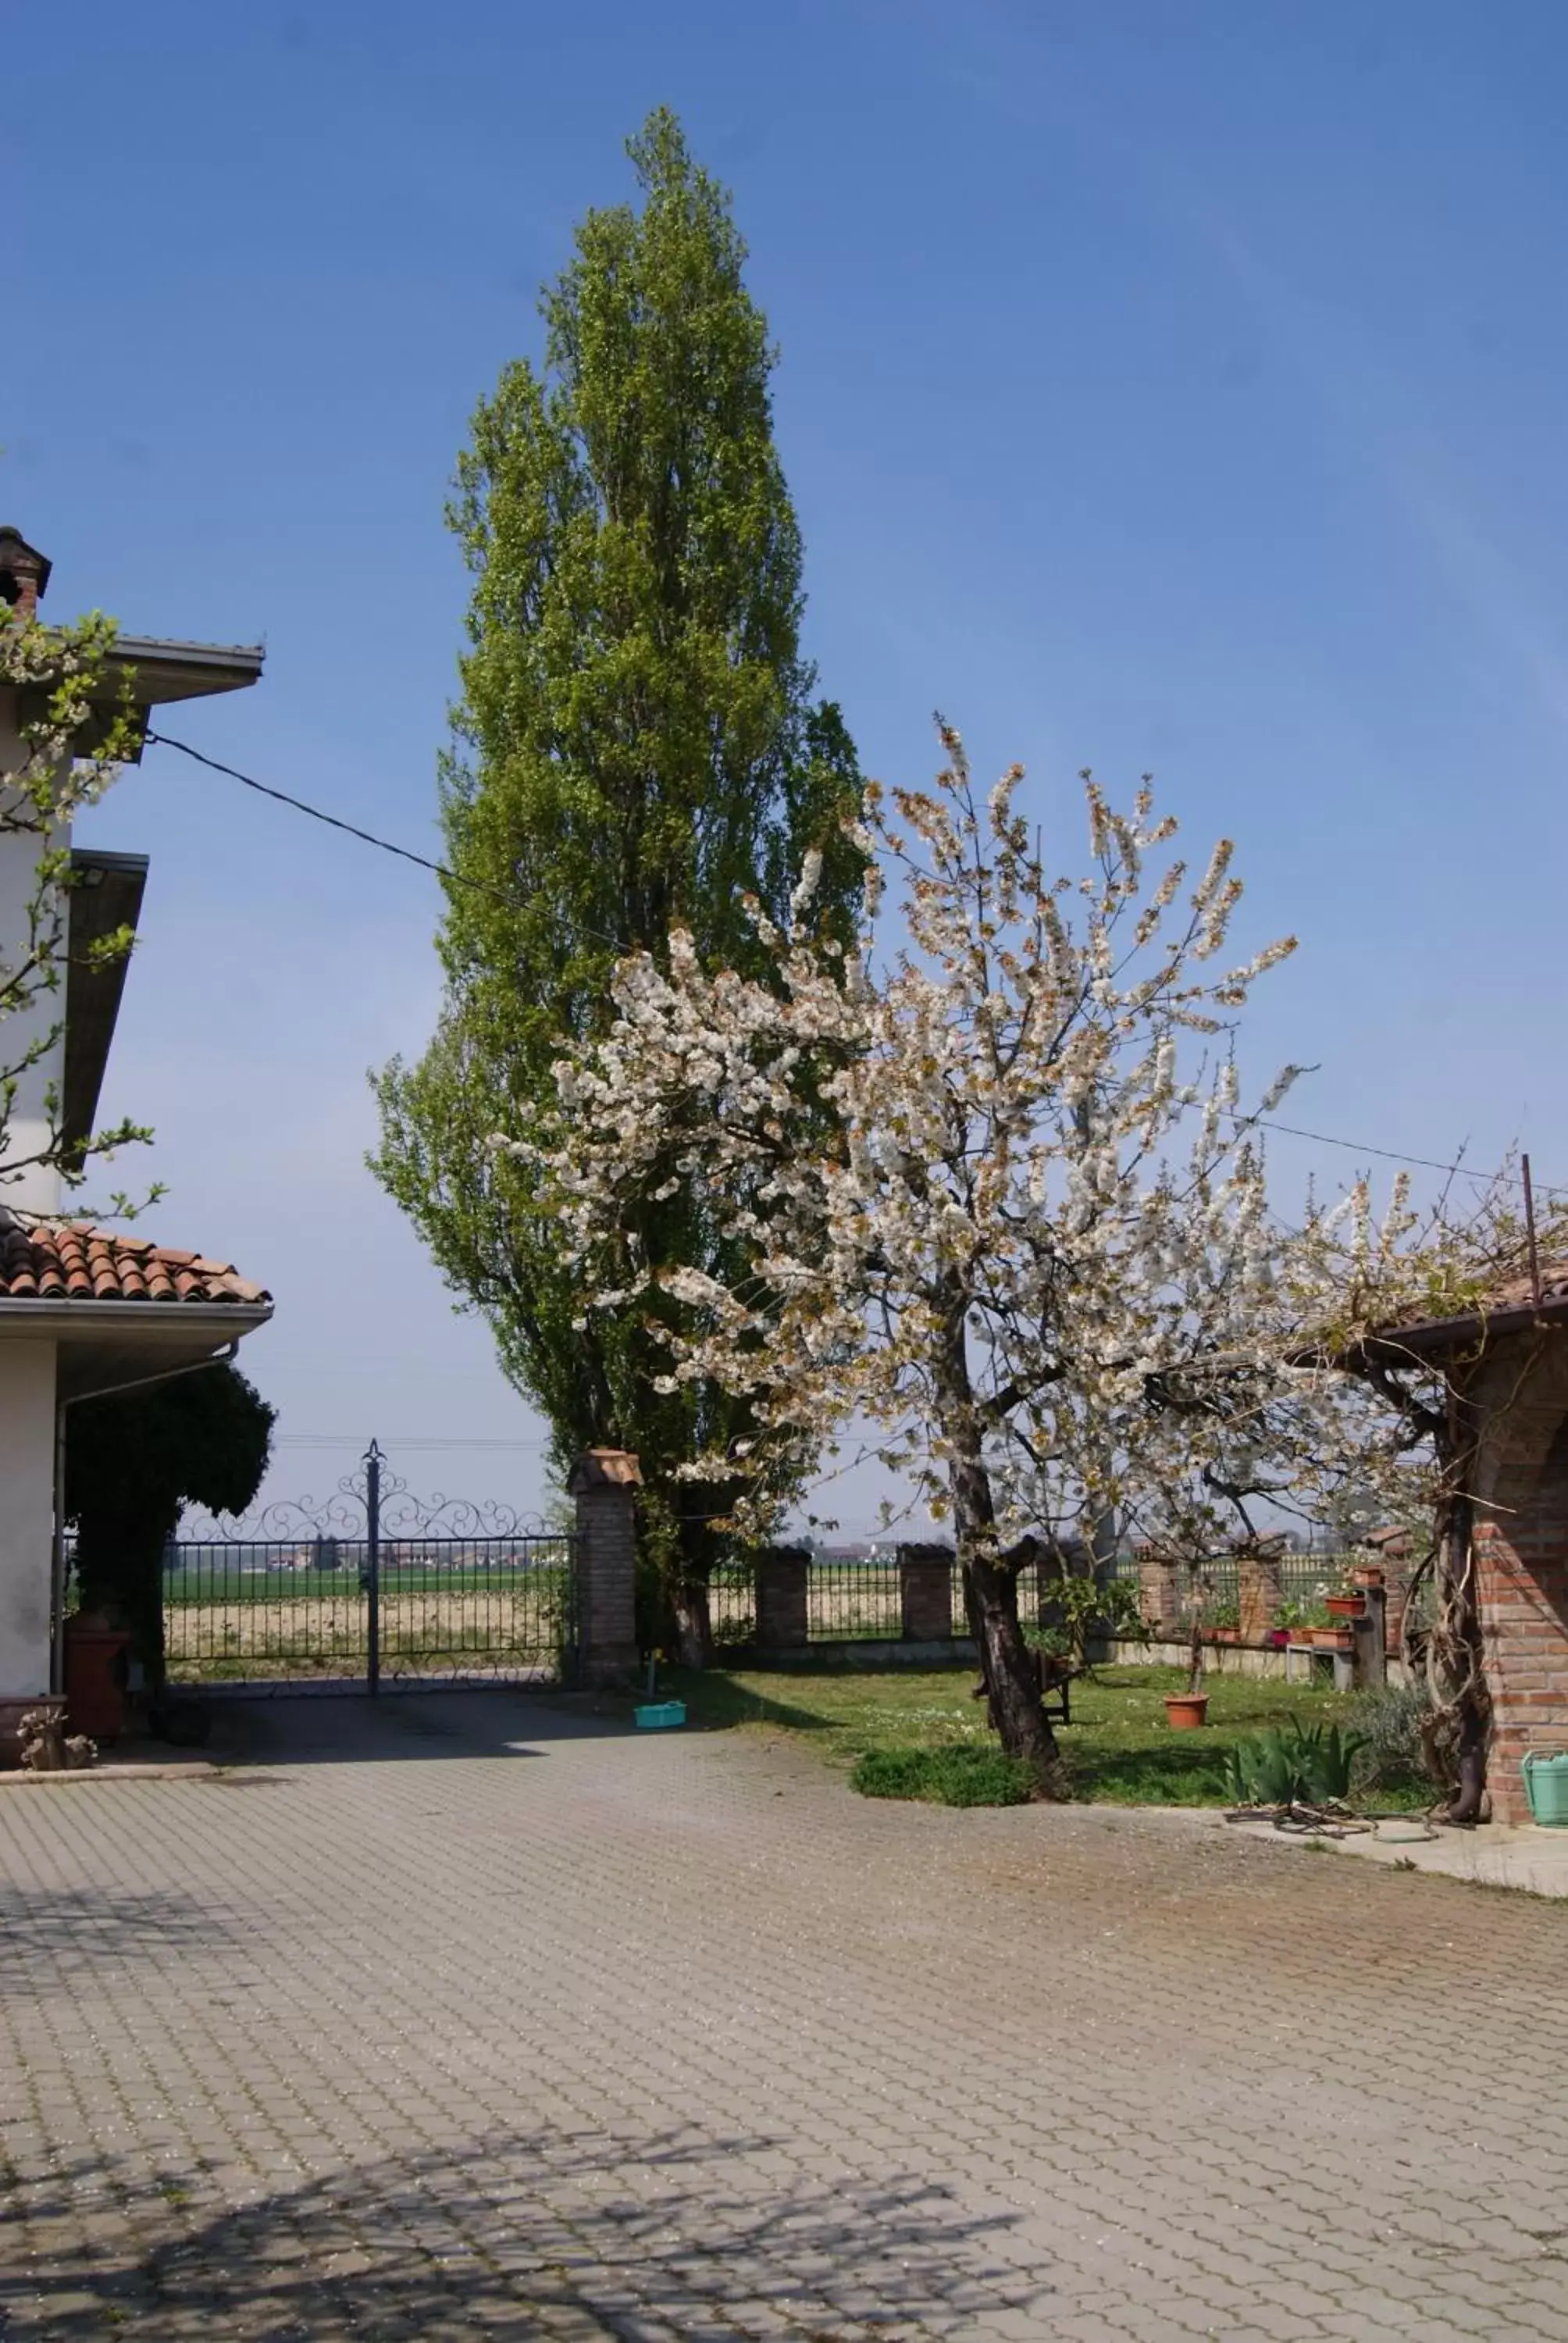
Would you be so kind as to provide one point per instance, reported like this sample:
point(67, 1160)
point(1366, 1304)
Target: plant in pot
point(1225, 1620)
point(1321, 1627)
point(1345, 1600)
point(1186, 1711)
point(1289, 1622)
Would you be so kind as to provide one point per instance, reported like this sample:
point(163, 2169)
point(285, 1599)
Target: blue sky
point(1160, 386)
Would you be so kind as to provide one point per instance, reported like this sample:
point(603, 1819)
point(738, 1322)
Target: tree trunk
point(1462, 1725)
point(1460, 1653)
point(991, 1589)
point(691, 1626)
point(690, 1613)
point(1011, 1678)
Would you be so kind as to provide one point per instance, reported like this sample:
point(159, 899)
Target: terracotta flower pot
point(1186, 1711)
point(1370, 1577)
point(1346, 1607)
point(1333, 1639)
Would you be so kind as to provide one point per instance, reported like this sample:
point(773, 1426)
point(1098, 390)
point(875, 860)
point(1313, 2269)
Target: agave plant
point(1296, 1764)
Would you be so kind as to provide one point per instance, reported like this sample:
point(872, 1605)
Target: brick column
point(605, 1482)
point(1159, 1589)
point(783, 1615)
point(925, 1593)
point(1261, 1588)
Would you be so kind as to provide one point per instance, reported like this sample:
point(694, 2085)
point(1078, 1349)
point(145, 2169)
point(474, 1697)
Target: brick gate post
point(1261, 1588)
point(783, 1620)
point(925, 1593)
point(605, 1482)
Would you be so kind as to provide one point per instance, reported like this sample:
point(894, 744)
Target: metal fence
point(849, 1599)
point(374, 1584)
point(854, 1599)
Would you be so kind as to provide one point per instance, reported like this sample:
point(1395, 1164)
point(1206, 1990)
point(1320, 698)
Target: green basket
point(1546, 1787)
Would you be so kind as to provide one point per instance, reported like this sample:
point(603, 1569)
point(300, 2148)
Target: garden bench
point(1055, 1687)
point(1055, 1680)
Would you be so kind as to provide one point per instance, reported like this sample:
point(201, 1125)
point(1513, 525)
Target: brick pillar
point(783, 1616)
point(605, 1482)
point(1160, 1589)
point(925, 1593)
point(1261, 1588)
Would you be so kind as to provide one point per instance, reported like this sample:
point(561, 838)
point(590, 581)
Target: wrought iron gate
point(372, 1586)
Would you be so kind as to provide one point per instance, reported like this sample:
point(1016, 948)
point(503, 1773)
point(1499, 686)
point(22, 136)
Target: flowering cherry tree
point(996, 1196)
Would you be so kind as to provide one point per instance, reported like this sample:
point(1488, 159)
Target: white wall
point(27, 1514)
point(37, 1189)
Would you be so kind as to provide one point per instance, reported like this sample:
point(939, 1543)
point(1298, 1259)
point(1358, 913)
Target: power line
point(441, 870)
point(333, 821)
point(1388, 1155)
point(479, 886)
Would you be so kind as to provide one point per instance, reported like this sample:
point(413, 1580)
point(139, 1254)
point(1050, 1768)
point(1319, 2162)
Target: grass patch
point(1118, 1750)
point(954, 1775)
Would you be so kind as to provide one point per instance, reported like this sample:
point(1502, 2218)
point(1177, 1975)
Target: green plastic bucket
point(661, 1716)
point(1546, 1787)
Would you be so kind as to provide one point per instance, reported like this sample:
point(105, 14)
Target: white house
point(83, 1310)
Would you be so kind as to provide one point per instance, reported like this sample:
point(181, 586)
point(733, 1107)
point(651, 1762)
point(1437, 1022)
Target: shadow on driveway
point(681, 2233)
point(350, 1728)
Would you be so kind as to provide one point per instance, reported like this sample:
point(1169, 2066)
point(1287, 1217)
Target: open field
point(278, 1629)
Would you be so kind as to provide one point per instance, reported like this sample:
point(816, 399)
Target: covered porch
point(84, 1312)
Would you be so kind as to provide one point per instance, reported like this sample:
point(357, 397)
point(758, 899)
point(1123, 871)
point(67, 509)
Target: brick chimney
point(23, 573)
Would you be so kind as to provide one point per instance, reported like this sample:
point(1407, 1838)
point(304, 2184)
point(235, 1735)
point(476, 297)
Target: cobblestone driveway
point(469, 2019)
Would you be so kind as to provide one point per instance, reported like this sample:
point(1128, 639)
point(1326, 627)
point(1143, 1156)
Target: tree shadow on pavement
point(46, 1932)
point(683, 2234)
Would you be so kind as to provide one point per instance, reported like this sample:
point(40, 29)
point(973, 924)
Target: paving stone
point(476, 2015)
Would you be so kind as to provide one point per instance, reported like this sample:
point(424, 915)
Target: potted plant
point(1295, 1622)
point(1185, 1712)
point(1345, 1600)
point(1225, 1621)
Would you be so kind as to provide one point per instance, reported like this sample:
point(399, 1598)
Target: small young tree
point(72, 748)
point(133, 1464)
point(1031, 1247)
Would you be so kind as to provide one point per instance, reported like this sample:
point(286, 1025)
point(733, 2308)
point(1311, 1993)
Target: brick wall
point(1523, 1554)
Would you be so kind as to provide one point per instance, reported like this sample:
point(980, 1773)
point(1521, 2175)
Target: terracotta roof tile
point(66, 1260)
point(1514, 1292)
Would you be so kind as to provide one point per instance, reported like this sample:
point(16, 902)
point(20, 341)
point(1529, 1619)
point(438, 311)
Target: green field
point(544, 1583)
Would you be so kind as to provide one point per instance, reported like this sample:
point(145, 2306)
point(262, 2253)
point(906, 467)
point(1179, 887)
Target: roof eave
point(163, 672)
point(108, 899)
point(48, 1312)
point(1435, 1337)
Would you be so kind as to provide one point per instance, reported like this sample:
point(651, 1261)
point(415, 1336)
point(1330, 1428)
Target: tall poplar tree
point(637, 745)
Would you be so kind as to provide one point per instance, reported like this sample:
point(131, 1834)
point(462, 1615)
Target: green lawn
point(1119, 1748)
